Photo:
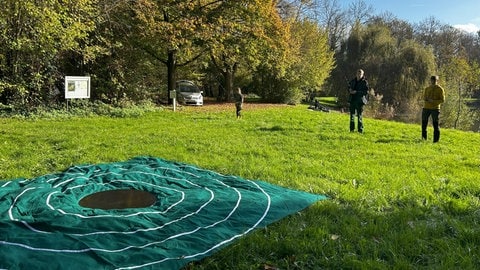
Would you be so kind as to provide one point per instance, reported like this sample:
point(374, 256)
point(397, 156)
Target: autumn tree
point(314, 57)
point(302, 58)
point(171, 32)
point(246, 34)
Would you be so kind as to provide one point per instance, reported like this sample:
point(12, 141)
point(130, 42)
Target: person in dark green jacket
point(433, 96)
point(358, 89)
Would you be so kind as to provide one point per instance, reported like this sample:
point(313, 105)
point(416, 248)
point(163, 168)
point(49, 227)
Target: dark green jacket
point(361, 87)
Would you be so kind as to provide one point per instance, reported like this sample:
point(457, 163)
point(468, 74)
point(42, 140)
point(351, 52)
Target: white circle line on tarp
point(157, 242)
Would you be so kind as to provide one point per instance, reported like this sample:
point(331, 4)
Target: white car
point(188, 93)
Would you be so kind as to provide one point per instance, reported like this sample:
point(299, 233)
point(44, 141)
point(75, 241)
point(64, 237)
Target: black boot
point(424, 134)
point(436, 136)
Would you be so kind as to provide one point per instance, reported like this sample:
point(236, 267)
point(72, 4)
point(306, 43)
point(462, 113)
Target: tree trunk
point(229, 74)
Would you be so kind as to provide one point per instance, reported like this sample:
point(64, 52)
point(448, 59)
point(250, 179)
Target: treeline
point(280, 50)
point(398, 58)
point(134, 51)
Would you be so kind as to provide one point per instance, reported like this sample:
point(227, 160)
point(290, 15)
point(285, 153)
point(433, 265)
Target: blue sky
point(463, 14)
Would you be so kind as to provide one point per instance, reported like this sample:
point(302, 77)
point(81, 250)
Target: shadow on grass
point(274, 128)
point(408, 234)
point(393, 140)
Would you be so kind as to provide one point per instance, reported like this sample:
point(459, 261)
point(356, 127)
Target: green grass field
point(396, 202)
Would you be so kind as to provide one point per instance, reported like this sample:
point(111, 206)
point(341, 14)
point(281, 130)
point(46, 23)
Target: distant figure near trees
point(433, 96)
point(238, 98)
point(358, 90)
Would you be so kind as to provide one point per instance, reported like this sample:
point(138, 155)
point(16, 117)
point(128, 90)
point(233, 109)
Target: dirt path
point(214, 106)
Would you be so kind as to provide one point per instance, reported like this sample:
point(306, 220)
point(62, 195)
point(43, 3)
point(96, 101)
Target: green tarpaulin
point(197, 212)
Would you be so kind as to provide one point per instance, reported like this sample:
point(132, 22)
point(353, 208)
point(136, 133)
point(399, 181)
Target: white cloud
point(469, 27)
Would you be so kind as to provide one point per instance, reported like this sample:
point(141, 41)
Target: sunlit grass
point(328, 101)
point(396, 201)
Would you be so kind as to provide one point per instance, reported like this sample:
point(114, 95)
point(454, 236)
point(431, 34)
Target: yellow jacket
point(433, 96)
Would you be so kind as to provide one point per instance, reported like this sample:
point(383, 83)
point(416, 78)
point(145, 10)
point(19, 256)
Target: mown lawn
point(396, 202)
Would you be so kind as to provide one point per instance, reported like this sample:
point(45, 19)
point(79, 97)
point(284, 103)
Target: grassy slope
point(396, 201)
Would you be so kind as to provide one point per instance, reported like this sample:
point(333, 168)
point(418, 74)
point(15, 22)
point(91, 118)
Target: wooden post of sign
point(173, 96)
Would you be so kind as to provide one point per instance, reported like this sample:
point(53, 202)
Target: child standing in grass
point(238, 97)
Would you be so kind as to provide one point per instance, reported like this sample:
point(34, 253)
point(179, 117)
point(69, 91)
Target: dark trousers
point(356, 107)
point(426, 113)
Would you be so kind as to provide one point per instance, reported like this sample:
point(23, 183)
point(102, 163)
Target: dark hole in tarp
point(118, 199)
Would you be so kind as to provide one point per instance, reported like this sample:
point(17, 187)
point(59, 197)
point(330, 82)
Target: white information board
point(77, 87)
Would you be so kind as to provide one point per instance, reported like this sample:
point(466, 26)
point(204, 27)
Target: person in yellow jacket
point(433, 96)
